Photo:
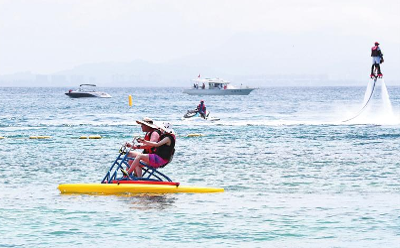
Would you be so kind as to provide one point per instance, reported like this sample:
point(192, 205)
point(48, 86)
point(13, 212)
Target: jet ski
point(195, 115)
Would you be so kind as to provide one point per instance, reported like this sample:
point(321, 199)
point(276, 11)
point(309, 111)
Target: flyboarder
point(377, 59)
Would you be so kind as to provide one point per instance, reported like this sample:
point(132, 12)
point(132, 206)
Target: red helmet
point(376, 43)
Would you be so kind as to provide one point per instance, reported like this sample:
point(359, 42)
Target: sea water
point(295, 174)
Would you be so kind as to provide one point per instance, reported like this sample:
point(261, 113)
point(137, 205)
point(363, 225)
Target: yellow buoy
point(94, 137)
point(39, 137)
point(83, 137)
point(195, 135)
point(130, 100)
point(1, 137)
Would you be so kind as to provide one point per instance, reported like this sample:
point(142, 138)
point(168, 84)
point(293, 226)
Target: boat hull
point(87, 94)
point(78, 95)
point(218, 91)
point(112, 189)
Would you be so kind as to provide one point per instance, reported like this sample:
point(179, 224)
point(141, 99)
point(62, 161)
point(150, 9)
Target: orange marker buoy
point(130, 100)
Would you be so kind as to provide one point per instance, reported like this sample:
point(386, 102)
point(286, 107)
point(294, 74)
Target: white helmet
point(166, 127)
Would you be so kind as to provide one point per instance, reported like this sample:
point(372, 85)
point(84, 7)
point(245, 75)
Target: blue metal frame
point(121, 162)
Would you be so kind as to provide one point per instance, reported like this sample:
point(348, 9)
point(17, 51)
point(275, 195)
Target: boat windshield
point(87, 87)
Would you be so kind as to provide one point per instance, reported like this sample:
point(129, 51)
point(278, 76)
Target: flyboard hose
point(366, 103)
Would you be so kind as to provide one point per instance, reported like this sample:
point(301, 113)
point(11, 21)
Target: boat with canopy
point(216, 86)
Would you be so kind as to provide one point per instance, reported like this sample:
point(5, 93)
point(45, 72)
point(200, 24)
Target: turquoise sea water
point(294, 174)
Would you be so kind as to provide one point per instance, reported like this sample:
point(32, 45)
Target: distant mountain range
point(252, 59)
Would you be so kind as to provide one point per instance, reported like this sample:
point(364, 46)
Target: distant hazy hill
point(309, 54)
point(252, 59)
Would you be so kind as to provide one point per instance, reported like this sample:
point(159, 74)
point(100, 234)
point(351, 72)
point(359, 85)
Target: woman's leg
point(136, 164)
point(132, 155)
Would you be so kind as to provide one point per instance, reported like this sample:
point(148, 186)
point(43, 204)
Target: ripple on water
point(291, 174)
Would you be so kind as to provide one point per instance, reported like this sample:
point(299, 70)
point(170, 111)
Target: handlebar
point(124, 148)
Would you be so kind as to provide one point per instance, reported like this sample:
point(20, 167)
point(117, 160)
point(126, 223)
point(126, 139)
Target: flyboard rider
point(159, 153)
point(377, 59)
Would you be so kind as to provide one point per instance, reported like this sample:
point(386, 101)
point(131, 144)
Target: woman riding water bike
point(161, 156)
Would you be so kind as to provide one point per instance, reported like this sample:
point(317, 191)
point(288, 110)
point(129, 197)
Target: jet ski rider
point(160, 157)
point(201, 108)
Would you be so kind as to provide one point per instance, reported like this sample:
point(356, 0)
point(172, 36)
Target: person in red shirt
point(161, 156)
point(377, 59)
point(152, 134)
point(201, 108)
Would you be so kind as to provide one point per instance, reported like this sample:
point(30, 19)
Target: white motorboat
point(215, 86)
point(86, 90)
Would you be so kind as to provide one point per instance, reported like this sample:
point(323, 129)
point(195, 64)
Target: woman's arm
point(154, 137)
point(137, 146)
point(166, 140)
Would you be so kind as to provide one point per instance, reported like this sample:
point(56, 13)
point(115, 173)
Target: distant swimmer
point(377, 59)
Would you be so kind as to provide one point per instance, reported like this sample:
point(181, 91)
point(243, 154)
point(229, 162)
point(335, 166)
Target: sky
point(47, 36)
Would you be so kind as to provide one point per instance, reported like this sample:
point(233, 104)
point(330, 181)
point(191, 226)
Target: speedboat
point(215, 86)
point(86, 90)
point(195, 115)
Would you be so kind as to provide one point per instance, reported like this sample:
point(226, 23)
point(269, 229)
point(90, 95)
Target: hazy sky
point(46, 36)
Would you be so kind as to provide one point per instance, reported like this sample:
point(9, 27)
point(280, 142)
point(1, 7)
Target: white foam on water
point(379, 112)
point(271, 123)
point(387, 105)
point(368, 92)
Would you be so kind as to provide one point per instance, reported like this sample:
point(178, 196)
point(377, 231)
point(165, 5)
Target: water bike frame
point(150, 174)
point(152, 182)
